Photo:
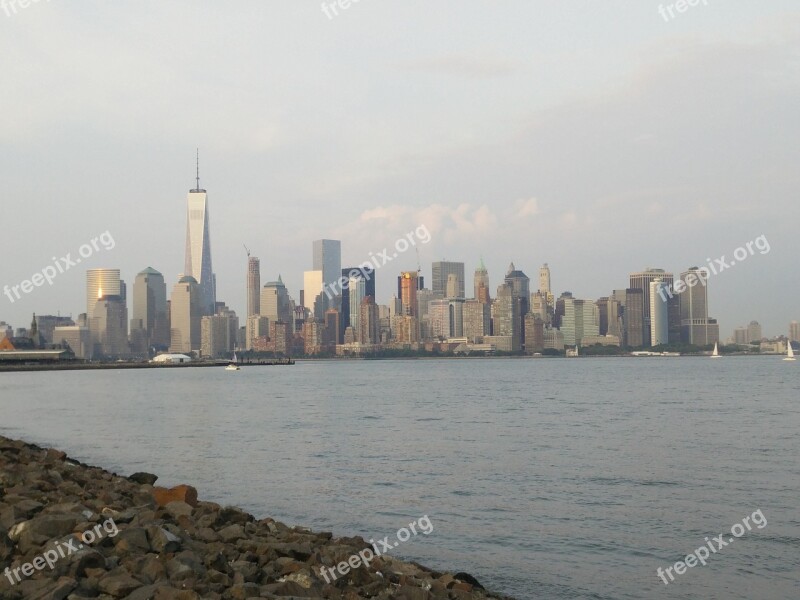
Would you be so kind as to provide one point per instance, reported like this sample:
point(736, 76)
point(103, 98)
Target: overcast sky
point(595, 136)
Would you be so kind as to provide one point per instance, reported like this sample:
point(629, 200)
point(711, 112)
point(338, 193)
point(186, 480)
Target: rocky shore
point(72, 531)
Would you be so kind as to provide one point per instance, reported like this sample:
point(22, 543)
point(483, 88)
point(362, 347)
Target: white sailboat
point(233, 366)
point(715, 353)
point(789, 352)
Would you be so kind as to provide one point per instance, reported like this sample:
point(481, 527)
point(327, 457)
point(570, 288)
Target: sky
point(599, 137)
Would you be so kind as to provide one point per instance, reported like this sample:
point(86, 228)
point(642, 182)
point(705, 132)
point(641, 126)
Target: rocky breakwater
point(72, 531)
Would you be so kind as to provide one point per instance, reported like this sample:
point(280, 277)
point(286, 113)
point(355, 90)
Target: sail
point(790, 352)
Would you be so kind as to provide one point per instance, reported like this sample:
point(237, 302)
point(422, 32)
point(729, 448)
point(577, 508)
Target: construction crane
point(247, 250)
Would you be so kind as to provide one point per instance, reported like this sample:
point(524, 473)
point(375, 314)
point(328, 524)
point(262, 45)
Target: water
point(542, 478)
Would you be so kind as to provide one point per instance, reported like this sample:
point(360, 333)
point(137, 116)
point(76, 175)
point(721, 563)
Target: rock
point(118, 585)
point(467, 578)
point(231, 533)
point(184, 493)
point(143, 478)
point(178, 508)
point(163, 541)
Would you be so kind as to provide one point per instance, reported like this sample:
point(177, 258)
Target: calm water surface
point(543, 478)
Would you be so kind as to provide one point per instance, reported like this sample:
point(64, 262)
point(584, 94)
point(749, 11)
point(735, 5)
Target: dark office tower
point(521, 290)
point(440, 270)
point(634, 317)
point(642, 281)
point(602, 305)
point(364, 273)
point(333, 329)
point(697, 328)
point(558, 314)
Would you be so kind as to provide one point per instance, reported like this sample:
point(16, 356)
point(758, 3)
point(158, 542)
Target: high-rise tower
point(440, 271)
point(253, 286)
point(198, 247)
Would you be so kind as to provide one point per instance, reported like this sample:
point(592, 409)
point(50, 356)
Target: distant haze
point(598, 137)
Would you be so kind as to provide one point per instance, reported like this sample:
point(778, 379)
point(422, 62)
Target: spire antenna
point(198, 169)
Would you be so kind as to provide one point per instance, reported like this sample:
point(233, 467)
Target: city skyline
point(495, 176)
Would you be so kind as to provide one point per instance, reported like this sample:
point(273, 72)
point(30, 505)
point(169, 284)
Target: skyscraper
point(521, 290)
point(356, 294)
point(275, 302)
point(198, 248)
point(544, 279)
point(642, 281)
point(633, 317)
point(185, 315)
point(440, 271)
point(408, 293)
point(659, 316)
point(481, 284)
point(696, 326)
point(253, 286)
point(327, 257)
point(150, 321)
point(581, 319)
point(108, 326)
point(101, 282)
point(507, 316)
point(794, 331)
point(313, 297)
point(368, 276)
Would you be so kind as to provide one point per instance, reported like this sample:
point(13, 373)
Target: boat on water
point(233, 366)
point(789, 352)
point(715, 353)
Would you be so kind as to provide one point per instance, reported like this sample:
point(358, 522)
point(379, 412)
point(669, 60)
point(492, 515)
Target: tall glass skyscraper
point(327, 257)
point(440, 270)
point(198, 248)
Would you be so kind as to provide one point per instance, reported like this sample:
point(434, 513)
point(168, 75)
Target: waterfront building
point(696, 326)
point(553, 339)
point(477, 318)
point(77, 337)
point(741, 336)
point(581, 318)
point(185, 314)
point(256, 327)
point(109, 327)
point(369, 331)
point(659, 318)
point(633, 317)
point(45, 324)
point(150, 319)
point(506, 316)
point(754, 332)
point(642, 281)
point(534, 333)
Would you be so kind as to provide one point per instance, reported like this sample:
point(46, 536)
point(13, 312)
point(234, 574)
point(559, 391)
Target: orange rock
point(182, 493)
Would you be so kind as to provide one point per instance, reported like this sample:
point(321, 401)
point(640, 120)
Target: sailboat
point(715, 353)
point(233, 366)
point(789, 352)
